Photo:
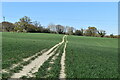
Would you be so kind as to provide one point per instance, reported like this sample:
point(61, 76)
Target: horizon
point(102, 15)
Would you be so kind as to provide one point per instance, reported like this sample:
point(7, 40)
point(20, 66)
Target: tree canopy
point(25, 24)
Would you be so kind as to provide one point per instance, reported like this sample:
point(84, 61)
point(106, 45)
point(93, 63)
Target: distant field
point(17, 46)
point(91, 57)
point(85, 57)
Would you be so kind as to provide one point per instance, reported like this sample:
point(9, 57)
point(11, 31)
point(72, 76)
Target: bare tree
point(60, 29)
point(101, 33)
point(52, 27)
point(70, 30)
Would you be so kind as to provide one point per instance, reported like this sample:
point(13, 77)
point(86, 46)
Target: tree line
point(25, 24)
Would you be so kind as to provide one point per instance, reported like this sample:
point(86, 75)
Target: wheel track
point(37, 62)
point(62, 71)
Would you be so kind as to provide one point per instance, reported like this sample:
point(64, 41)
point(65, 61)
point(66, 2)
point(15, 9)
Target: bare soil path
point(62, 71)
point(35, 64)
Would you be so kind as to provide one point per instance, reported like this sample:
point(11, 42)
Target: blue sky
point(103, 15)
point(60, 0)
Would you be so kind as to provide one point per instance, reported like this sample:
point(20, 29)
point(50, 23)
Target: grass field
point(0, 53)
point(86, 57)
point(17, 46)
point(90, 57)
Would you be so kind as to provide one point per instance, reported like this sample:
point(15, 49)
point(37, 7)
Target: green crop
point(17, 46)
point(90, 57)
point(54, 72)
point(86, 57)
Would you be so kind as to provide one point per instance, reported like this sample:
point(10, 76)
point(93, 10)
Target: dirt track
point(62, 72)
point(35, 64)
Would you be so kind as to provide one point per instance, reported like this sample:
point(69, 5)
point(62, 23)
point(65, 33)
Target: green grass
point(0, 54)
point(86, 57)
point(17, 46)
point(91, 57)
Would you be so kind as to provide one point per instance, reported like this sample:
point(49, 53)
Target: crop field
point(90, 57)
point(23, 45)
point(0, 54)
point(41, 55)
point(17, 46)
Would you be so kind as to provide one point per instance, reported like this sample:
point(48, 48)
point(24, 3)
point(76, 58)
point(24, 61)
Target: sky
point(60, 0)
point(103, 15)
